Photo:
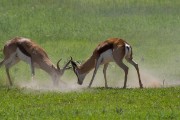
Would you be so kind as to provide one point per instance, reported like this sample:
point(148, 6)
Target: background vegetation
point(74, 28)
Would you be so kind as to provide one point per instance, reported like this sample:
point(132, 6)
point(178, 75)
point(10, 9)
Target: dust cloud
point(149, 80)
point(40, 85)
point(114, 80)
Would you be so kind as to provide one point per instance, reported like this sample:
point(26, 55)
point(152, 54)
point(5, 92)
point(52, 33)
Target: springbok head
point(80, 76)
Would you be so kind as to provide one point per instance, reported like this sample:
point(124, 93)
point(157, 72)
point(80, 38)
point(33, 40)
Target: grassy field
point(96, 103)
point(67, 28)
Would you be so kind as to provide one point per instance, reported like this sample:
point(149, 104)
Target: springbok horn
point(65, 67)
point(73, 63)
point(58, 64)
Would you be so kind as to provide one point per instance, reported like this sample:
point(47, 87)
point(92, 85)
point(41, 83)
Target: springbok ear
point(69, 67)
point(78, 62)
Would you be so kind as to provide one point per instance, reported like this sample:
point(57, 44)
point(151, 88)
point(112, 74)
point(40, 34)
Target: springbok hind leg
point(8, 75)
point(137, 69)
point(104, 72)
point(125, 68)
point(7, 72)
point(8, 65)
point(118, 60)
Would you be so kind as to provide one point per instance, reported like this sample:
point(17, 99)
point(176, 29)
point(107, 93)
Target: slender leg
point(104, 72)
point(137, 69)
point(95, 71)
point(7, 72)
point(32, 70)
point(8, 75)
point(55, 81)
point(118, 55)
point(125, 68)
point(8, 66)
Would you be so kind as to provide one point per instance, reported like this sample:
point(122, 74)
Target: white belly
point(106, 57)
point(22, 56)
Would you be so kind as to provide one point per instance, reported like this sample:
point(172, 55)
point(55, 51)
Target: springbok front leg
point(32, 70)
point(97, 64)
point(26, 57)
point(7, 72)
point(131, 61)
point(104, 72)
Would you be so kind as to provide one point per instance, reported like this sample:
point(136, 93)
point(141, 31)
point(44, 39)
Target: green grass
point(151, 27)
point(95, 103)
point(67, 28)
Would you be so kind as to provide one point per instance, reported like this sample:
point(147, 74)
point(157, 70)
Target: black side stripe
point(104, 47)
point(23, 50)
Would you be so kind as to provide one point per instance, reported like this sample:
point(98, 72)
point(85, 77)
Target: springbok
point(24, 49)
point(111, 50)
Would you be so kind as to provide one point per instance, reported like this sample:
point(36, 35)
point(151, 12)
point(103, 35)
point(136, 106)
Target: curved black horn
point(65, 67)
point(73, 64)
point(71, 59)
point(58, 64)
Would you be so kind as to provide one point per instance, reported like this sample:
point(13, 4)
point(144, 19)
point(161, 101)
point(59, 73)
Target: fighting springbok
point(24, 49)
point(111, 50)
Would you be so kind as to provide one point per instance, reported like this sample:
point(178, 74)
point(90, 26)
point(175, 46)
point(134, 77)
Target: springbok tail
point(128, 51)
